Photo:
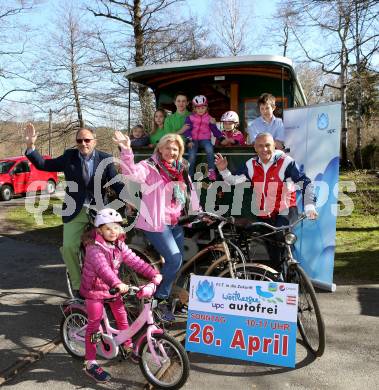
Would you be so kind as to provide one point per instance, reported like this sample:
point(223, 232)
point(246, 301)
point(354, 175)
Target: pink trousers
point(95, 313)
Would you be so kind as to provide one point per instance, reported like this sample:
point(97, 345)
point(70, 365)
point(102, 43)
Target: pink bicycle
point(162, 359)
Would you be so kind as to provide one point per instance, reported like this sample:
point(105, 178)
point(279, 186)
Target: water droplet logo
point(322, 121)
point(263, 294)
point(205, 291)
point(267, 296)
point(272, 287)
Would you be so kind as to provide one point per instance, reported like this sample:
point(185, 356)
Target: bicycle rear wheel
point(250, 271)
point(309, 319)
point(72, 331)
point(173, 368)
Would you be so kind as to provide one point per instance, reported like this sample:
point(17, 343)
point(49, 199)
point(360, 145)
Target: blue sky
point(43, 17)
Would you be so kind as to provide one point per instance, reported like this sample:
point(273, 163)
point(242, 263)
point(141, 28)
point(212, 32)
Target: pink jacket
point(101, 265)
point(236, 136)
point(201, 127)
point(156, 209)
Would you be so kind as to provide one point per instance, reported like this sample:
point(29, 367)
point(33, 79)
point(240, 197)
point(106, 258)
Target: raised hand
point(121, 140)
point(221, 162)
point(30, 135)
point(312, 214)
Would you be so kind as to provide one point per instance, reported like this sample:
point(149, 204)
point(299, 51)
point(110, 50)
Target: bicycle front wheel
point(172, 368)
point(309, 319)
point(250, 271)
point(72, 330)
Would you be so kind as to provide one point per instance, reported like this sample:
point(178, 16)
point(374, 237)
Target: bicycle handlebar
point(280, 228)
point(115, 290)
point(202, 214)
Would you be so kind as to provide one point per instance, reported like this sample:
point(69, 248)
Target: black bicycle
point(309, 320)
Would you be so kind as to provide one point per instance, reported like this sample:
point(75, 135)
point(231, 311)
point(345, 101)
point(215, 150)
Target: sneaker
point(183, 309)
point(166, 313)
point(97, 373)
point(212, 175)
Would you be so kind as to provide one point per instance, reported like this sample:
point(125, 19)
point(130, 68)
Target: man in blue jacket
point(82, 174)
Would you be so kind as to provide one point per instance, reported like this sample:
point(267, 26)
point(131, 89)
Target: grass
point(357, 239)
point(45, 227)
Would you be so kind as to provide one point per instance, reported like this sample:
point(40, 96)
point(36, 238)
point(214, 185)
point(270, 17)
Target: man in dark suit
point(86, 172)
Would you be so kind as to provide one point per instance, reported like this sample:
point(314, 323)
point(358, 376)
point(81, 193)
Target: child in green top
point(175, 121)
point(158, 126)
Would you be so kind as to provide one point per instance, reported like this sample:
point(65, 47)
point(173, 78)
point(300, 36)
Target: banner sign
point(312, 133)
point(243, 319)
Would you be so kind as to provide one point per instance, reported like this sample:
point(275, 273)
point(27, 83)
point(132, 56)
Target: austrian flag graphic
point(291, 300)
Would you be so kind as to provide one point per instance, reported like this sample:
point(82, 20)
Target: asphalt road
point(32, 286)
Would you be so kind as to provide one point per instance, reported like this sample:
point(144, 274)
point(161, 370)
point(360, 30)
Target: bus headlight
point(290, 238)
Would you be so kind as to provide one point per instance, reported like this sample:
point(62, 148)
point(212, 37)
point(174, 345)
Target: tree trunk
point(74, 80)
point(147, 109)
point(145, 97)
point(358, 150)
point(343, 80)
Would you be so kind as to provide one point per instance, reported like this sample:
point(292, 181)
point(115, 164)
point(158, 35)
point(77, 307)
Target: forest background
point(62, 64)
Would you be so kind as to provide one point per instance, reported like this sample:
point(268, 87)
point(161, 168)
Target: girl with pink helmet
point(232, 135)
point(197, 130)
point(105, 251)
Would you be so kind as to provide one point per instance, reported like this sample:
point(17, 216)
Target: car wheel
point(6, 193)
point(50, 188)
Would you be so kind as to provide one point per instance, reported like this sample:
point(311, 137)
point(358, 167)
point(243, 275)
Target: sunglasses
point(86, 140)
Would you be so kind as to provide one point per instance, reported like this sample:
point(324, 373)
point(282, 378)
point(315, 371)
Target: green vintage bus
point(230, 83)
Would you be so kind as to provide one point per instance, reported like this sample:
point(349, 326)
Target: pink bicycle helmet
point(230, 116)
point(199, 100)
point(107, 216)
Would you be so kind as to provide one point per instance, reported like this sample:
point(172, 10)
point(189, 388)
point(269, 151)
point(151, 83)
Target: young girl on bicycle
point(102, 261)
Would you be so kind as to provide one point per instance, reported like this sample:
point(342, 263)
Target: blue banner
point(313, 135)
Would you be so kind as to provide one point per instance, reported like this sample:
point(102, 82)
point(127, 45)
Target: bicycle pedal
point(128, 354)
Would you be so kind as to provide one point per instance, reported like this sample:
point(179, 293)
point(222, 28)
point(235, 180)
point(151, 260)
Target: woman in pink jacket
point(167, 193)
point(103, 258)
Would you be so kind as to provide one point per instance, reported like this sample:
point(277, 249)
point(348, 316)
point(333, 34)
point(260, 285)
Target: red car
point(18, 176)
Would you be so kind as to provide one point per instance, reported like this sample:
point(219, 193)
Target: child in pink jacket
point(198, 129)
point(230, 123)
point(100, 273)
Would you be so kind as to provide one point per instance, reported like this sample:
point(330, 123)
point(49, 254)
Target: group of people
point(197, 128)
point(167, 194)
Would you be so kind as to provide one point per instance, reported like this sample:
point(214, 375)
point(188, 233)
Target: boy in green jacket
point(174, 122)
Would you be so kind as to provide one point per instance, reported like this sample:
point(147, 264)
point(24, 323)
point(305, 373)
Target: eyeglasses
point(86, 140)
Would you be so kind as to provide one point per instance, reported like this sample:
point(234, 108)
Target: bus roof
point(178, 66)
point(147, 75)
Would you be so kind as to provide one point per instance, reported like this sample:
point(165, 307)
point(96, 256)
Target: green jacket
point(175, 122)
point(154, 138)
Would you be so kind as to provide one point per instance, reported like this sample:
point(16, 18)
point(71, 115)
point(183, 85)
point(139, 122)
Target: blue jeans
point(169, 244)
point(206, 144)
